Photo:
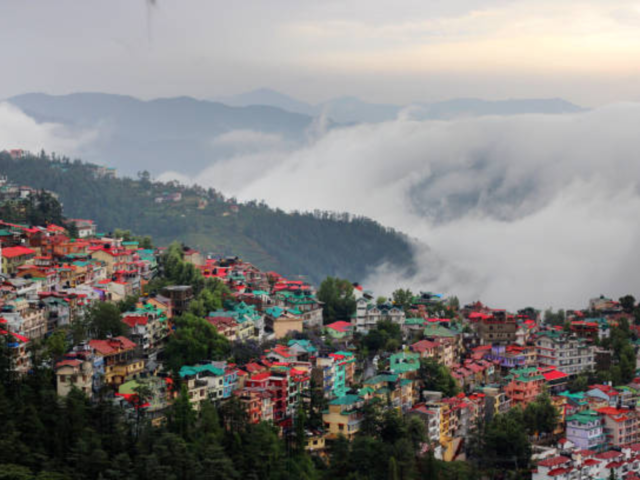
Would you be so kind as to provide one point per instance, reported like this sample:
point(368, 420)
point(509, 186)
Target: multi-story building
point(148, 327)
point(525, 386)
point(74, 373)
point(586, 430)
point(14, 257)
point(335, 373)
point(567, 353)
point(257, 403)
point(180, 296)
point(498, 328)
point(20, 358)
point(343, 417)
point(305, 302)
point(121, 359)
point(208, 378)
point(368, 315)
point(621, 425)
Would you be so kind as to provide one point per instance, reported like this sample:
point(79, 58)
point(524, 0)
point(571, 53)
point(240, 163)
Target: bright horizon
point(583, 51)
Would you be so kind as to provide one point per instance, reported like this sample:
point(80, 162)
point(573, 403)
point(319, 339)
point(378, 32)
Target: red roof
point(17, 336)
point(261, 376)
point(558, 471)
point(423, 345)
point(70, 362)
point(282, 351)
point(112, 345)
point(554, 461)
point(554, 375)
point(133, 320)
point(608, 455)
point(340, 326)
point(12, 252)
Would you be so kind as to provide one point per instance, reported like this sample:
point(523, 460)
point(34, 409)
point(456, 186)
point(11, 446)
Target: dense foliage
point(39, 208)
point(386, 337)
point(312, 245)
point(436, 377)
point(339, 301)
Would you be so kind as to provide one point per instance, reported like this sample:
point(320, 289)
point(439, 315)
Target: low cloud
point(524, 210)
point(18, 130)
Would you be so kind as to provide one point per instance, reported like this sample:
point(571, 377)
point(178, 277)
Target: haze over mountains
point(134, 135)
point(350, 109)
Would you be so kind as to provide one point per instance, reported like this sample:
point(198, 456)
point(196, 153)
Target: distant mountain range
point(184, 134)
point(353, 110)
point(162, 134)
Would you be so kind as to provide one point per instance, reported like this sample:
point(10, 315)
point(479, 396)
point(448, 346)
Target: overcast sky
point(587, 51)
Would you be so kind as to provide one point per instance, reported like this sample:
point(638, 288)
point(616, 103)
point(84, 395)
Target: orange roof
point(12, 252)
point(112, 345)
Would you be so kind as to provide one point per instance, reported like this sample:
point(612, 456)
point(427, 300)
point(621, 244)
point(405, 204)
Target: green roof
point(194, 370)
point(380, 378)
point(306, 344)
point(587, 416)
point(345, 400)
point(433, 330)
point(414, 321)
point(128, 388)
point(364, 391)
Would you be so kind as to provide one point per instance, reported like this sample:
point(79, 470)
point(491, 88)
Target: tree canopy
point(339, 301)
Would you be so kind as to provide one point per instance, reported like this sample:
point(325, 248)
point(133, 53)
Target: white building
point(368, 315)
point(567, 353)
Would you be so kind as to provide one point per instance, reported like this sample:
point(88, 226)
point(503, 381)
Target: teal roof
point(433, 330)
point(194, 370)
point(345, 400)
point(587, 416)
point(306, 344)
point(275, 312)
point(414, 321)
point(380, 378)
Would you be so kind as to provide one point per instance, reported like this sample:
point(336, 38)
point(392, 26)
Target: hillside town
point(337, 349)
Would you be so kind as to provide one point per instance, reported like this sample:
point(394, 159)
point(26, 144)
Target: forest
point(308, 245)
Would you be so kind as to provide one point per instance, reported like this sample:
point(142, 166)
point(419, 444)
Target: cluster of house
point(498, 359)
point(600, 436)
point(49, 279)
point(10, 191)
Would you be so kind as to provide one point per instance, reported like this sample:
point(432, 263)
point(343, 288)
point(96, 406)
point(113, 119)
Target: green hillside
point(310, 245)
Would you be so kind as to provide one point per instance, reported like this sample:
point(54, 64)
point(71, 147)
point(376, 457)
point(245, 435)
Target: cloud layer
point(18, 130)
point(521, 210)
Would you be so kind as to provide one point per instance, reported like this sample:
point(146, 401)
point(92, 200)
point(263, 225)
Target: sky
point(586, 51)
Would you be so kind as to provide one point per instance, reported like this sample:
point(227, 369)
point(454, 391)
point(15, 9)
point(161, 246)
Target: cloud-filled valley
point(531, 209)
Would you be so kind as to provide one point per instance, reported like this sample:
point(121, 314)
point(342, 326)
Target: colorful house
point(525, 386)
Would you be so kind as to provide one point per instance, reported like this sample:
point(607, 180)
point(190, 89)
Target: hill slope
point(312, 246)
